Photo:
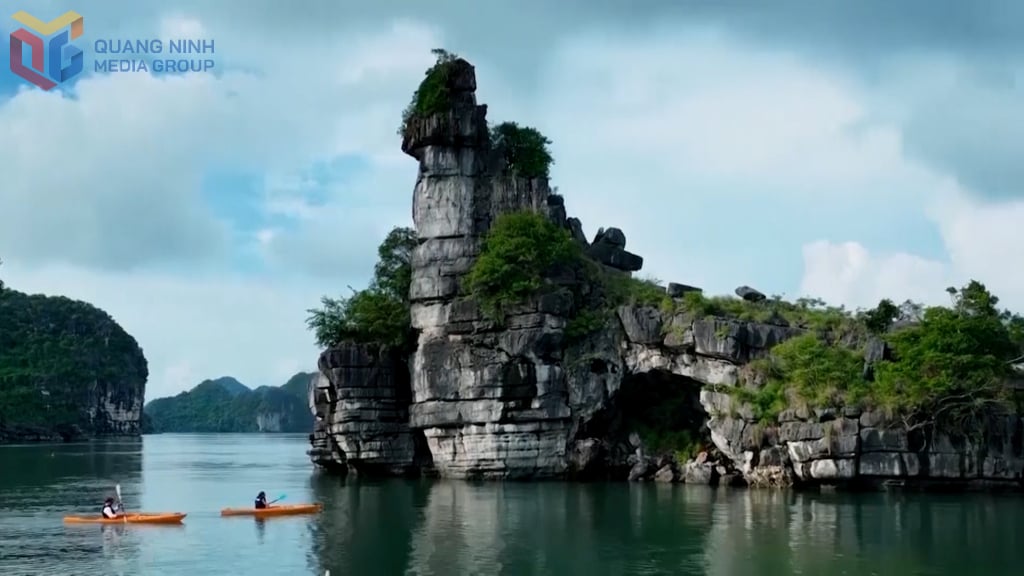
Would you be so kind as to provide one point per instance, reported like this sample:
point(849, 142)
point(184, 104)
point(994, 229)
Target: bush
point(953, 366)
point(622, 290)
point(524, 149)
point(585, 323)
point(378, 314)
point(520, 249)
point(809, 313)
point(433, 94)
point(950, 368)
point(810, 370)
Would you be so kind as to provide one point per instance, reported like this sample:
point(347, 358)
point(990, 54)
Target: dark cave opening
point(662, 409)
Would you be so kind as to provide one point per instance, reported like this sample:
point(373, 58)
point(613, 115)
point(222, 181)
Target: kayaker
point(261, 500)
point(108, 508)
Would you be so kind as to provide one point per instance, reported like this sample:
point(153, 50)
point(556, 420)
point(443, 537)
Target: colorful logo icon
point(50, 48)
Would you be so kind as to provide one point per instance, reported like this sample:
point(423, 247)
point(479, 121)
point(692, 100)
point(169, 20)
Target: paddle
point(120, 503)
point(278, 499)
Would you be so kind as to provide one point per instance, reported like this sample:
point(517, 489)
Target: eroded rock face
point(491, 402)
point(478, 400)
point(824, 447)
point(361, 403)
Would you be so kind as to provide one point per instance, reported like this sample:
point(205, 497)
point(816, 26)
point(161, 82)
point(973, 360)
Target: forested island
point(497, 341)
point(68, 371)
point(226, 405)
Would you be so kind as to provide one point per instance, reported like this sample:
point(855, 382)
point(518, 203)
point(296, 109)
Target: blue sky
point(850, 151)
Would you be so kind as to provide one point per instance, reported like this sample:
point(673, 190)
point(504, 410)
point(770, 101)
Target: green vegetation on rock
point(524, 149)
point(379, 313)
point(519, 252)
point(433, 94)
point(227, 405)
point(810, 313)
point(806, 370)
point(58, 356)
point(949, 365)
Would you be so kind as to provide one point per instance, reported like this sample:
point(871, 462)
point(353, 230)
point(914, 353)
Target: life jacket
point(110, 508)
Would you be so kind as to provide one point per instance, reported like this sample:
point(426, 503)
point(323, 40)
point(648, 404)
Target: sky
point(847, 151)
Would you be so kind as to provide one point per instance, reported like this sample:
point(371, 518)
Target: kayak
point(139, 518)
point(284, 510)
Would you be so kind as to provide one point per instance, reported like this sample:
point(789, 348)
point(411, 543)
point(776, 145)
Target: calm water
point(442, 528)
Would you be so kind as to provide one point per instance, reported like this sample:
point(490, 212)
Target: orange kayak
point(284, 510)
point(140, 518)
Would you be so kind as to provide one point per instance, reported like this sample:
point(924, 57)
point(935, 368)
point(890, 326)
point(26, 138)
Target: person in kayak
point(108, 508)
point(261, 500)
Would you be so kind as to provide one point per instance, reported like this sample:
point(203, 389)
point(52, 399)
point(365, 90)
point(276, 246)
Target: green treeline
point(226, 405)
point(56, 356)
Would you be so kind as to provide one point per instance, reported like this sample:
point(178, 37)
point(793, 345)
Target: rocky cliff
point(67, 371)
point(663, 392)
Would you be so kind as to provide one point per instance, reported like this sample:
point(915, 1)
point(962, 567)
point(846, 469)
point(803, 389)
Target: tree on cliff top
point(55, 353)
point(949, 365)
point(433, 94)
point(380, 312)
point(524, 149)
point(955, 362)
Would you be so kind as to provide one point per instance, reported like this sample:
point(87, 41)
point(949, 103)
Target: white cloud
point(846, 273)
point(175, 27)
point(724, 164)
point(984, 242)
point(117, 169)
point(718, 161)
point(102, 189)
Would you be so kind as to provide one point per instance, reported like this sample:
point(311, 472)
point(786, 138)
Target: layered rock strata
point(805, 445)
point(522, 401)
point(360, 402)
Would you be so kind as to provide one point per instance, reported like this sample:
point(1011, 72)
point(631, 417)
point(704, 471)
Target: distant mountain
point(234, 387)
point(299, 384)
point(226, 405)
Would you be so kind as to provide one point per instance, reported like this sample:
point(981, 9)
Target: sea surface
point(451, 528)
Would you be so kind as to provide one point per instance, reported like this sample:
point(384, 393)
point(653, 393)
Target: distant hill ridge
point(226, 405)
point(234, 387)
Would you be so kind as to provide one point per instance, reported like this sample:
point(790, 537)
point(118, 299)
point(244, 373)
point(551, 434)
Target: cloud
point(983, 242)
point(111, 177)
point(773, 148)
point(720, 162)
point(106, 196)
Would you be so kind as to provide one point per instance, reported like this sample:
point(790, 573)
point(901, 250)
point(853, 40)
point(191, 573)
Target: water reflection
point(434, 528)
point(261, 529)
point(59, 480)
point(365, 527)
point(85, 465)
point(427, 528)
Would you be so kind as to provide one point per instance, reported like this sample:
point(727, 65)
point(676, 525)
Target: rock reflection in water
point(425, 528)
